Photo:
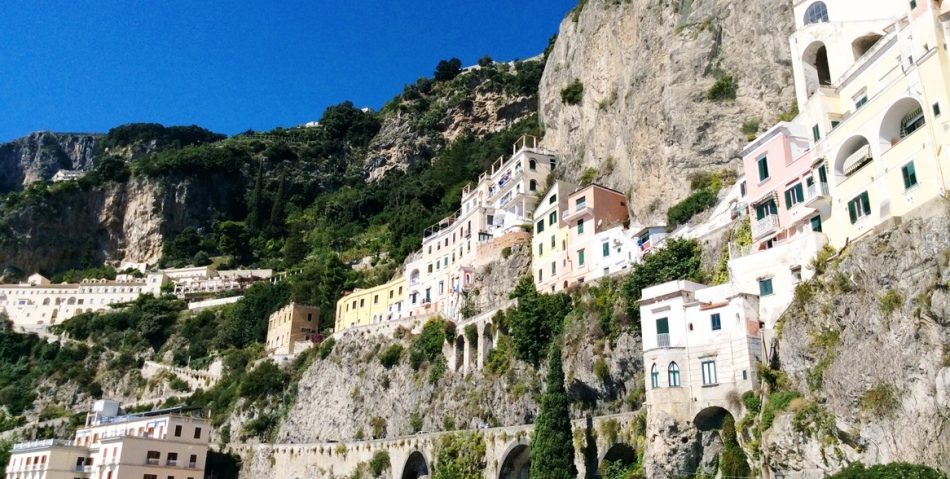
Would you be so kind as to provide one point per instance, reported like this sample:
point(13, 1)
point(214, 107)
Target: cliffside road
point(195, 378)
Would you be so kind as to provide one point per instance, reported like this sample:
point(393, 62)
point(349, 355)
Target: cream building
point(167, 444)
point(700, 348)
point(872, 81)
point(292, 329)
point(551, 233)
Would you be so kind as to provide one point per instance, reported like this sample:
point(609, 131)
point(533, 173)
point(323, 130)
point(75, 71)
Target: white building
point(167, 444)
point(700, 348)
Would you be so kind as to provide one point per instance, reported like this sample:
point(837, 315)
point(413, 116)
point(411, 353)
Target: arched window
point(674, 375)
point(533, 185)
point(655, 377)
point(816, 13)
point(532, 165)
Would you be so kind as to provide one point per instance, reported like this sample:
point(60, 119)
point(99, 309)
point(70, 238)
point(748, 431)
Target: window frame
point(710, 376)
point(859, 207)
point(909, 175)
point(715, 321)
point(763, 165)
point(765, 287)
point(673, 374)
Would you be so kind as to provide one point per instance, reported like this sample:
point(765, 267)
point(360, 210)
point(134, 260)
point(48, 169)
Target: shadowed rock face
point(644, 123)
point(39, 155)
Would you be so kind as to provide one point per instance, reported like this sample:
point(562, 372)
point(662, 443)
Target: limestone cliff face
point(39, 155)
point(644, 123)
point(868, 345)
point(110, 223)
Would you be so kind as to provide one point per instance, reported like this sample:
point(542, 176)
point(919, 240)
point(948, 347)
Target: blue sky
point(87, 66)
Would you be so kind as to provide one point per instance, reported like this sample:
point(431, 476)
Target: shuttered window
point(763, 168)
point(794, 196)
point(859, 207)
point(910, 175)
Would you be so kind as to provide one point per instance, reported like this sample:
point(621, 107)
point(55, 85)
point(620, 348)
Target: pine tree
point(277, 212)
point(254, 219)
point(552, 446)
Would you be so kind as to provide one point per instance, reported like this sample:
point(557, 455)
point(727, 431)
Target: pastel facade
point(39, 303)
point(700, 347)
point(362, 307)
point(551, 236)
point(872, 81)
point(592, 211)
point(498, 206)
point(204, 279)
point(166, 444)
point(782, 186)
point(292, 329)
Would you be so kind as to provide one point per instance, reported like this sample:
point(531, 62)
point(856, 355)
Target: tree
point(233, 240)
point(536, 321)
point(552, 446)
point(255, 220)
point(678, 259)
point(448, 69)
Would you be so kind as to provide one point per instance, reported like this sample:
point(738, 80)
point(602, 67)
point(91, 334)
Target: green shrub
point(679, 259)
point(379, 425)
point(379, 463)
point(732, 461)
point(506, 252)
point(448, 423)
point(471, 334)
point(461, 456)
point(723, 89)
point(587, 177)
point(890, 302)
point(263, 427)
point(573, 93)
point(881, 400)
point(751, 127)
point(391, 356)
point(602, 370)
point(536, 321)
point(415, 423)
point(694, 204)
point(778, 401)
point(752, 402)
point(177, 384)
point(895, 470)
point(326, 347)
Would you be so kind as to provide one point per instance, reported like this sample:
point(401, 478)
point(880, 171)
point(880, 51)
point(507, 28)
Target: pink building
point(782, 187)
point(591, 210)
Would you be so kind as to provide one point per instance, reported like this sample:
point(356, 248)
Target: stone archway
point(620, 455)
point(416, 466)
point(516, 461)
point(710, 418)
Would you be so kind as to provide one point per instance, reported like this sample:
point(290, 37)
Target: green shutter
point(801, 193)
point(822, 174)
point(760, 212)
point(773, 209)
point(788, 199)
point(606, 249)
point(816, 224)
point(852, 211)
point(763, 168)
point(910, 175)
point(663, 326)
point(867, 203)
point(580, 258)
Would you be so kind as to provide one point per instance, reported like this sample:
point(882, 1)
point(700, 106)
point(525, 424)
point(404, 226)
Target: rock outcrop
point(39, 155)
point(644, 123)
point(867, 343)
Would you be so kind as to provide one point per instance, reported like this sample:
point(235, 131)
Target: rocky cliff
point(644, 122)
point(39, 155)
point(866, 343)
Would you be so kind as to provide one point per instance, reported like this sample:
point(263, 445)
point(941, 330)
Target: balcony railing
point(663, 340)
point(192, 465)
point(765, 226)
point(579, 211)
point(151, 462)
point(817, 193)
point(172, 462)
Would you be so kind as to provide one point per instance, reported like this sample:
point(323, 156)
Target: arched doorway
point(416, 466)
point(816, 68)
point(619, 458)
point(853, 155)
point(902, 119)
point(516, 463)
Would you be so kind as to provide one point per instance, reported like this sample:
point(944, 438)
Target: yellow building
point(292, 328)
point(362, 307)
point(872, 80)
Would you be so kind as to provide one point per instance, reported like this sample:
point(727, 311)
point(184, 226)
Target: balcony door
point(663, 332)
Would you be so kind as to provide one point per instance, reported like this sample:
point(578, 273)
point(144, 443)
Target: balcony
point(171, 463)
point(192, 465)
point(817, 195)
point(152, 462)
point(764, 226)
point(579, 212)
point(663, 340)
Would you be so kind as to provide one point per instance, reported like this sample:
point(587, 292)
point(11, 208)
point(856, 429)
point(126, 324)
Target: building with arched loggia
point(872, 78)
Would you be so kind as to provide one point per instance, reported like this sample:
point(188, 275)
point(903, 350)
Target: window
point(655, 377)
point(580, 203)
point(709, 373)
point(533, 185)
point(794, 196)
point(580, 258)
point(430, 267)
point(309, 317)
point(936, 109)
point(834, 124)
point(663, 332)
point(375, 299)
point(912, 122)
point(540, 249)
point(553, 244)
point(540, 228)
point(580, 227)
point(766, 209)
point(178, 430)
point(816, 13)
point(553, 163)
point(441, 287)
point(913, 4)
point(606, 249)
point(910, 175)
point(796, 274)
point(152, 457)
point(816, 133)
point(745, 374)
point(816, 224)
point(716, 322)
point(197, 433)
point(428, 295)
point(193, 461)
point(540, 275)
point(860, 102)
point(553, 268)
point(532, 165)
point(859, 207)
point(490, 220)
point(742, 190)
point(674, 373)
point(763, 168)
point(362, 302)
point(552, 218)
point(552, 200)
point(172, 459)
point(765, 287)
point(150, 476)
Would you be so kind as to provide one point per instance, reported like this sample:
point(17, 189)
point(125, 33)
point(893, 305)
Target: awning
point(857, 159)
point(912, 116)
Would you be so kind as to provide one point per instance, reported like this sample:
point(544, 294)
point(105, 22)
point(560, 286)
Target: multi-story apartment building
point(782, 187)
point(39, 303)
point(549, 245)
point(500, 204)
point(700, 347)
point(292, 329)
point(362, 307)
point(167, 444)
point(593, 211)
point(871, 81)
